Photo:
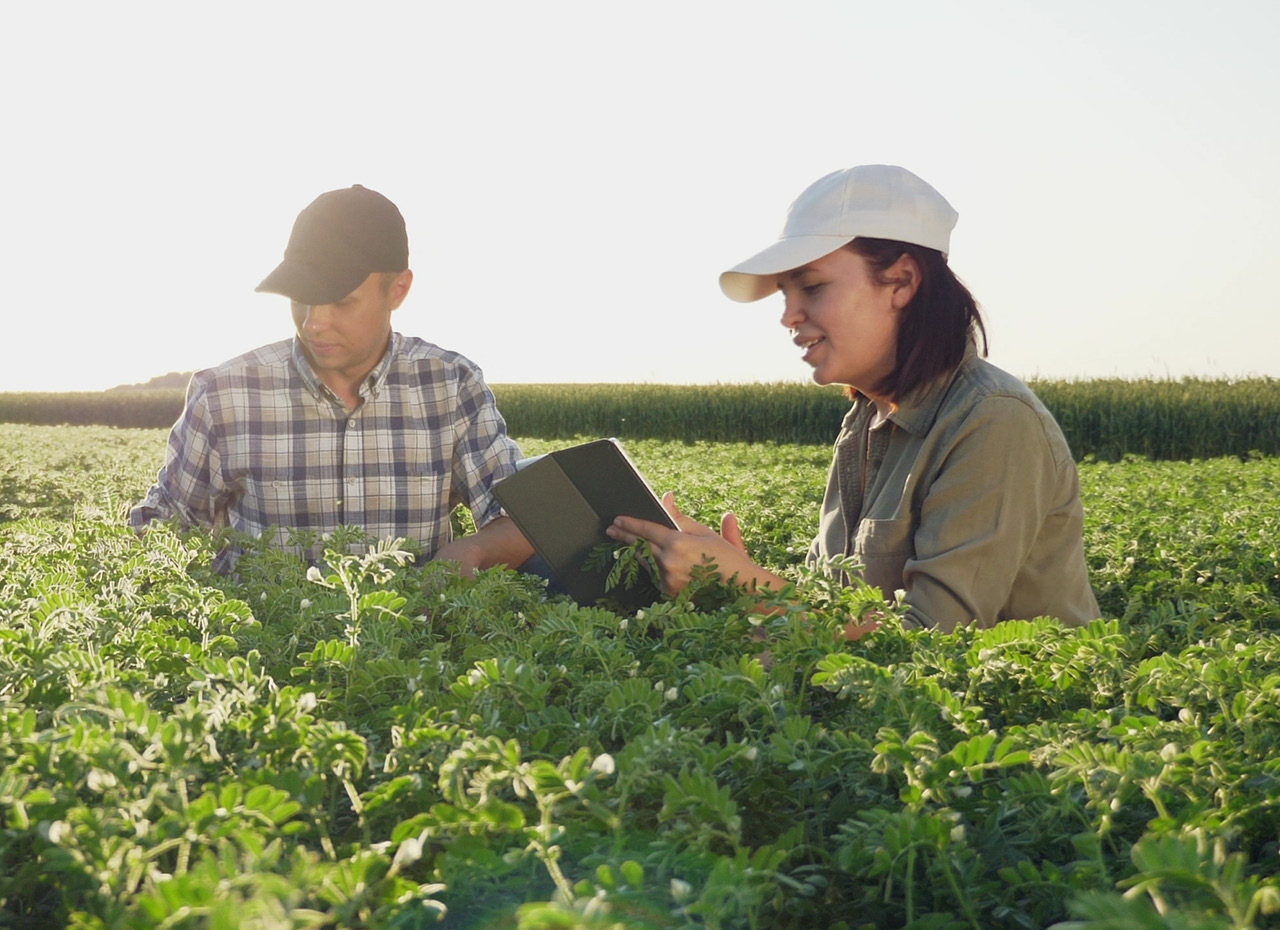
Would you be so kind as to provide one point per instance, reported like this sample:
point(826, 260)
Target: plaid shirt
point(262, 443)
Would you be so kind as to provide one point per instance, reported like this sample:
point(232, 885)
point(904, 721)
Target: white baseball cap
point(876, 201)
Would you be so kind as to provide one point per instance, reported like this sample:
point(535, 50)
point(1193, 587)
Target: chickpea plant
point(368, 741)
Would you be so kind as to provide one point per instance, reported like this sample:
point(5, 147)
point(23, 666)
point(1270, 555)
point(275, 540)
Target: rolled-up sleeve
point(483, 453)
point(189, 485)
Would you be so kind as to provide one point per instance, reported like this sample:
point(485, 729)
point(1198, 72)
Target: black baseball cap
point(340, 239)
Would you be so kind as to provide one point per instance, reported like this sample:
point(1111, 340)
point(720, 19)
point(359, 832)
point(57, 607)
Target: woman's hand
point(678, 551)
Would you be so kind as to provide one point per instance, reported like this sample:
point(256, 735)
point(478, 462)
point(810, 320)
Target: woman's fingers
point(685, 522)
point(678, 551)
point(630, 529)
point(732, 532)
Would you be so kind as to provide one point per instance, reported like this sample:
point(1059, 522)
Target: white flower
point(313, 574)
point(305, 603)
point(307, 701)
point(596, 907)
point(100, 781)
point(604, 764)
point(622, 625)
point(263, 597)
point(410, 851)
point(680, 889)
point(671, 693)
point(751, 753)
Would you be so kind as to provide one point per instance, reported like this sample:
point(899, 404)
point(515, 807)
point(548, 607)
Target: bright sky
point(575, 175)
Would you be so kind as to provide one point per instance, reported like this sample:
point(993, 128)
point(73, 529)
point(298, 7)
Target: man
point(348, 422)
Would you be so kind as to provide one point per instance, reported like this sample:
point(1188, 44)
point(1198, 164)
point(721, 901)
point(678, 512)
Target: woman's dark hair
point(935, 327)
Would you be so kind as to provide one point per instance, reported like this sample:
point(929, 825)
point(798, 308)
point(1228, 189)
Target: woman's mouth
point(808, 345)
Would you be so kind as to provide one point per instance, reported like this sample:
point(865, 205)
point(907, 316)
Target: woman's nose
point(791, 313)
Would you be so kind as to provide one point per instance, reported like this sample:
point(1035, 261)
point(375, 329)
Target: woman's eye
point(812, 289)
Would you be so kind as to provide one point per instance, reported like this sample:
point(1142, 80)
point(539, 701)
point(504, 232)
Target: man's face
point(345, 340)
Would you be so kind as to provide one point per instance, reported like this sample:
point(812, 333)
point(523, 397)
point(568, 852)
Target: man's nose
point(317, 318)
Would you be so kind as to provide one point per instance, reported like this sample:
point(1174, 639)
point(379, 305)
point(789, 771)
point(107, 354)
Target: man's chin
point(324, 353)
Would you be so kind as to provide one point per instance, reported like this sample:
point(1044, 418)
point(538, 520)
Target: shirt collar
point(377, 377)
point(302, 366)
point(916, 411)
point(372, 384)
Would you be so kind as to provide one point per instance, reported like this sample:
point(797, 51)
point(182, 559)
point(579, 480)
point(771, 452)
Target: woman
point(950, 479)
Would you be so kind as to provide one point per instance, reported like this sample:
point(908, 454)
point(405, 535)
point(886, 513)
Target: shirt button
point(351, 481)
point(353, 423)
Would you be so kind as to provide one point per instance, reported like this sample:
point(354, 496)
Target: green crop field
point(1103, 419)
point(378, 745)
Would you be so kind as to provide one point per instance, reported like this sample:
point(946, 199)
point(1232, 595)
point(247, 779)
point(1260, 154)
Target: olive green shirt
point(966, 498)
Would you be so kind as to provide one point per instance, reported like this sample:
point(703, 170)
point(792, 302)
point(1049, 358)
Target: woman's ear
point(904, 277)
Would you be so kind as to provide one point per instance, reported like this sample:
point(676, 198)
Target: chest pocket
point(404, 500)
point(883, 548)
point(286, 503)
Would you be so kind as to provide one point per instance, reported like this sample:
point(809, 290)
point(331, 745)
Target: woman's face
point(844, 322)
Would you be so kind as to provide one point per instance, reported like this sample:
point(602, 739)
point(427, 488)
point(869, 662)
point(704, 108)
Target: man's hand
point(854, 629)
point(499, 542)
point(463, 551)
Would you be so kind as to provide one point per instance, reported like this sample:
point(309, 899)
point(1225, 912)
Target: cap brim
point(312, 284)
point(756, 277)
